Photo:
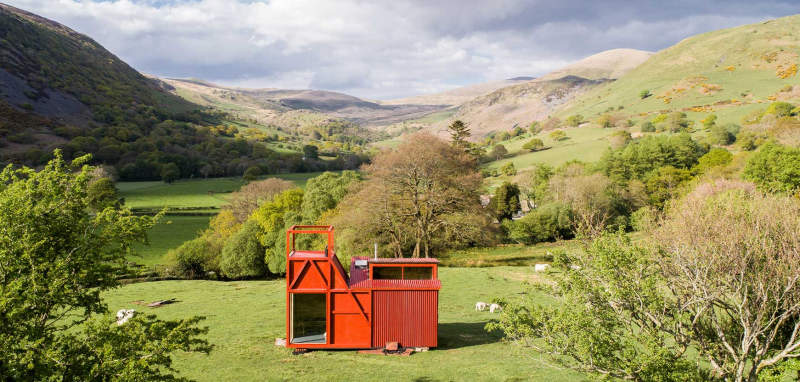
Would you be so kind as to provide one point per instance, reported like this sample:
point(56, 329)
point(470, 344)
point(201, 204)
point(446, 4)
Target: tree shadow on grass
point(454, 335)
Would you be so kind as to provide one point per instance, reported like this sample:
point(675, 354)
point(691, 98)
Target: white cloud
point(374, 49)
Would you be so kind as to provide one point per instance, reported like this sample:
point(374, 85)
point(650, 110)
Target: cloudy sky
point(384, 49)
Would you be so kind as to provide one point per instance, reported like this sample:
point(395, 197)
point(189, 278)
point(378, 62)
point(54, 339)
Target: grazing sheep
point(495, 308)
point(481, 306)
point(123, 315)
point(541, 267)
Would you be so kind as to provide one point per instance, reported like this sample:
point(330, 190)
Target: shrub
point(498, 152)
point(713, 158)
point(251, 173)
point(534, 144)
point(648, 127)
point(243, 254)
point(574, 120)
point(605, 121)
point(644, 94)
point(780, 109)
point(546, 223)
point(195, 258)
point(558, 135)
point(774, 168)
point(719, 135)
point(509, 169)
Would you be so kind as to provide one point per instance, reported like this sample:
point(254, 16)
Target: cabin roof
point(359, 276)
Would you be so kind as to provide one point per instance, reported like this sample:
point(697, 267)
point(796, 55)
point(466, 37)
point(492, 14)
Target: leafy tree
point(251, 173)
point(243, 254)
point(619, 138)
point(324, 192)
point(459, 134)
point(537, 185)
point(665, 184)
point(534, 144)
point(410, 198)
point(588, 196)
point(509, 169)
point(605, 121)
point(546, 223)
point(310, 152)
point(709, 121)
point(574, 120)
point(170, 172)
point(274, 217)
point(677, 122)
point(56, 260)
point(713, 158)
point(638, 158)
point(534, 128)
point(102, 194)
point(644, 94)
point(505, 202)
point(719, 135)
point(558, 135)
point(498, 152)
point(775, 168)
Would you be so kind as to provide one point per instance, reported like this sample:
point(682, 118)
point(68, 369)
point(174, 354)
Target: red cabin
point(380, 301)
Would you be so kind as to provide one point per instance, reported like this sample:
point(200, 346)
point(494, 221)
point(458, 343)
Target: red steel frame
point(336, 283)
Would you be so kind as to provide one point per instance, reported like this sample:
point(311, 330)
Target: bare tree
point(733, 264)
point(589, 198)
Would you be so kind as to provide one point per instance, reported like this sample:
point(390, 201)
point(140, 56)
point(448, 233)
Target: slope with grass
point(585, 144)
point(728, 72)
point(244, 319)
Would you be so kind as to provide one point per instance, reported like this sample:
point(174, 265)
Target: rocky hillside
point(537, 99)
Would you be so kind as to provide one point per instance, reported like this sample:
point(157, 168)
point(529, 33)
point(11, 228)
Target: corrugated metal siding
point(409, 317)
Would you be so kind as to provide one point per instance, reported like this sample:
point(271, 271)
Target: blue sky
point(383, 49)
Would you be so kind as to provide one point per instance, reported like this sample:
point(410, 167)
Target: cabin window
point(401, 273)
point(418, 273)
point(387, 273)
point(309, 318)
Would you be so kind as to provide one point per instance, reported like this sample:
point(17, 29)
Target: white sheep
point(495, 308)
point(481, 306)
point(123, 315)
point(540, 267)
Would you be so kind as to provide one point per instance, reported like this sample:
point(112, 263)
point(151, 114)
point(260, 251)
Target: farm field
point(169, 233)
point(245, 317)
point(194, 193)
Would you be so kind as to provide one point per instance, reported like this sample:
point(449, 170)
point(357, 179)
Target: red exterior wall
point(409, 317)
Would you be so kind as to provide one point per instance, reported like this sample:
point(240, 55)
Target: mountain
point(520, 104)
point(281, 106)
point(459, 95)
point(731, 73)
point(609, 64)
point(61, 89)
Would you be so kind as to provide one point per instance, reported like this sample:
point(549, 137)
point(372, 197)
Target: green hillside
point(61, 89)
point(728, 72)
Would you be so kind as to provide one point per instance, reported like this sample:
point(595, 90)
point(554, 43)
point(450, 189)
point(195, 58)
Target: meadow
point(245, 317)
point(190, 205)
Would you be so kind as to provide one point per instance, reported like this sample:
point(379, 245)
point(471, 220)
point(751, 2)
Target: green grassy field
point(510, 255)
point(169, 233)
point(191, 193)
point(244, 319)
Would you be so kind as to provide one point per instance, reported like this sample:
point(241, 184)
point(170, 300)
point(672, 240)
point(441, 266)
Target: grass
point(169, 233)
point(195, 193)
point(741, 62)
point(511, 255)
point(245, 317)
